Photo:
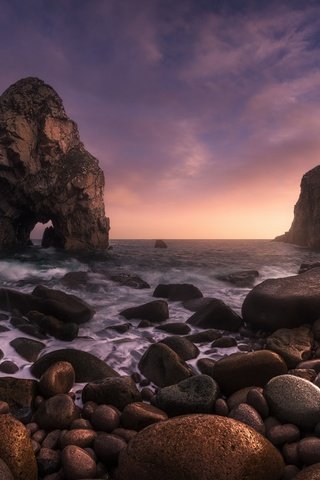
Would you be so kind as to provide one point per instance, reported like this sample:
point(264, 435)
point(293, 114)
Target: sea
point(199, 262)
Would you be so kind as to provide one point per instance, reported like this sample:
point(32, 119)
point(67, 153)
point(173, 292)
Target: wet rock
point(205, 365)
point(242, 278)
point(241, 370)
point(309, 450)
point(87, 367)
point(117, 391)
point(216, 315)
point(156, 311)
point(138, 415)
point(175, 328)
point(52, 439)
point(125, 433)
point(182, 346)
point(48, 461)
point(177, 291)
point(8, 367)
point(205, 446)
point(284, 302)
point(307, 373)
point(17, 449)
point(256, 399)
point(294, 400)
point(77, 463)
point(204, 337)
point(224, 342)
point(105, 418)
point(129, 280)
point(240, 396)
point(46, 173)
point(196, 304)
point(18, 392)
point(75, 280)
point(58, 378)
point(163, 366)
point(193, 395)
point(27, 348)
point(247, 414)
point(108, 446)
point(160, 244)
point(57, 412)
point(281, 434)
point(293, 345)
point(80, 437)
point(54, 327)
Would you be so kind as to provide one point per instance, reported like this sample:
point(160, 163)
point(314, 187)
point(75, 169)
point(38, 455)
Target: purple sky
point(204, 114)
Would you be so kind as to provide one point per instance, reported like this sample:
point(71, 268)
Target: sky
point(204, 114)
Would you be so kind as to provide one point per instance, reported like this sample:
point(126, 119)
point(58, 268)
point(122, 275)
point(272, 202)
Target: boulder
point(216, 315)
point(242, 278)
point(196, 304)
point(241, 370)
point(160, 244)
point(196, 394)
point(177, 291)
point(17, 450)
point(117, 391)
point(47, 324)
point(87, 367)
point(305, 228)
point(293, 345)
point(156, 311)
point(46, 173)
point(199, 447)
point(182, 346)
point(27, 348)
point(176, 328)
point(57, 412)
point(19, 393)
point(58, 378)
point(139, 415)
point(294, 400)
point(284, 302)
point(129, 280)
point(78, 463)
point(162, 366)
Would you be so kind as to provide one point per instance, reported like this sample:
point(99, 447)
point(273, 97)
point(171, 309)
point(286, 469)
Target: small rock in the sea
point(196, 394)
point(177, 291)
point(224, 342)
point(54, 327)
point(155, 311)
point(162, 366)
point(204, 337)
point(201, 447)
point(182, 346)
point(242, 278)
point(27, 348)
point(58, 378)
point(216, 315)
point(196, 304)
point(8, 367)
point(205, 365)
point(129, 280)
point(176, 328)
point(116, 391)
point(293, 399)
point(160, 244)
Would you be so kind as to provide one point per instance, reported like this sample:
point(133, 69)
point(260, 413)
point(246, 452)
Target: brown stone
point(293, 345)
point(57, 412)
point(59, 378)
point(18, 392)
point(77, 463)
point(137, 416)
point(200, 447)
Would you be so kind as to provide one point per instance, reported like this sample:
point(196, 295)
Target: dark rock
point(224, 342)
point(247, 414)
point(105, 418)
point(242, 278)
point(294, 400)
point(304, 267)
point(205, 446)
point(63, 306)
point(125, 433)
point(156, 311)
point(221, 407)
point(27, 348)
point(77, 463)
point(314, 364)
point(160, 244)
point(121, 328)
point(162, 366)
point(52, 439)
point(87, 367)
point(80, 437)
point(241, 370)
point(129, 280)
point(17, 449)
point(309, 473)
point(193, 395)
point(216, 315)
point(204, 337)
point(257, 400)
point(195, 304)
point(175, 328)
point(284, 302)
point(108, 446)
point(8, 367)
point(309, 450)
point(205, 365)
point(57, 412)
point(182, 346)
point(281, 434)
point(117, 391)
point(54, 327)
point(58, 378)
point(137, 416)
point(48, 461)
point(240, 396)
point(46, 173)
point(18, 392)
point(305, 227)
point(290, 453)
point(306, 373)
point(293, 345)
point(75, 280)
point(177, 291)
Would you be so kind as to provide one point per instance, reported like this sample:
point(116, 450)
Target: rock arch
point(46, 173)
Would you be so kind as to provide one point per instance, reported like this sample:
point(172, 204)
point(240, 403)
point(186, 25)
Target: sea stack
point(46, 173)
point(305, 228)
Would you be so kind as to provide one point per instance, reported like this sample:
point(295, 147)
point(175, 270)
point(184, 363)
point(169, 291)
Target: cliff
point(305, 228)
point(46, 173)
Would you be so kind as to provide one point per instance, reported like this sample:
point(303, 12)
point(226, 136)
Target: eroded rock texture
point(46, 173)
point(305, 228)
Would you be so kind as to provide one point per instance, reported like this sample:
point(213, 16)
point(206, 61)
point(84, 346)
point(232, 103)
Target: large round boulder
point(253, 369)
point(284, 302)
point(16, 449)
point(199, 447)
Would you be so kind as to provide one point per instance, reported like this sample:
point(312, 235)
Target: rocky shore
point(254, 414)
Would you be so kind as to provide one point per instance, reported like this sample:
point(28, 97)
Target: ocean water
point(184, 261)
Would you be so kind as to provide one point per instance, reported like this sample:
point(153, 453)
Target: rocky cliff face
point(46, 173)
point(305, 228)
